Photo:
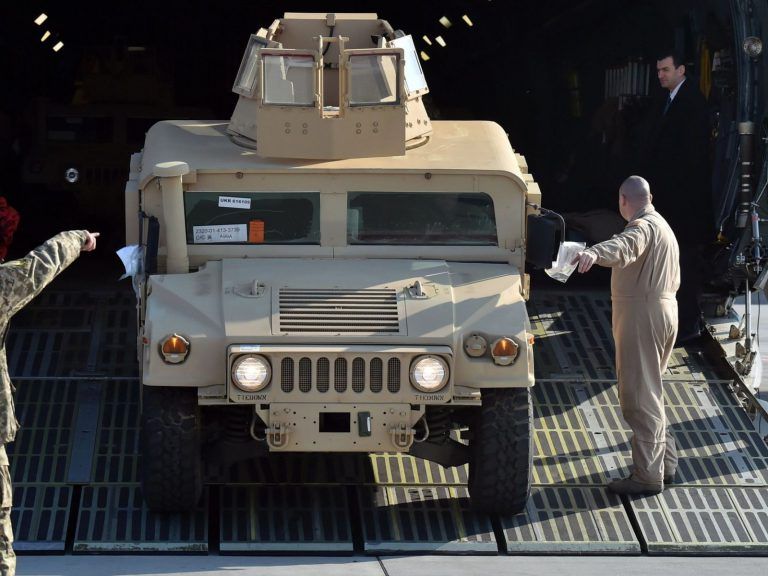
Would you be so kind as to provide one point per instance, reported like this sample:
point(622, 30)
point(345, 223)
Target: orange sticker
point(256, 232)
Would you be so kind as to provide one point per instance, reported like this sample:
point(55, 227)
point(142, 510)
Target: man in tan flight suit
point(645, 263)
point(20, 281)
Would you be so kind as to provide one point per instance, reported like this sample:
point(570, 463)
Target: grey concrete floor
point(386, 566)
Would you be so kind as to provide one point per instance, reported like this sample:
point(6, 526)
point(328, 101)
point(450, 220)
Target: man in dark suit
point(676, 163)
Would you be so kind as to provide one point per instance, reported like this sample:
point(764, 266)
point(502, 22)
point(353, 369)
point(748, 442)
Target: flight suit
point(645, 275)
point(20, 281)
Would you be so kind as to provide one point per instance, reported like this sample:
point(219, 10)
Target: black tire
point(171, 466)
point(501, 456)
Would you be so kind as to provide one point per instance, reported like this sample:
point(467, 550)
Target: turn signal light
point(504, 351)
point(174, 349)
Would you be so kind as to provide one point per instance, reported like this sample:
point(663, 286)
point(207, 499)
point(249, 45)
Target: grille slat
point(345, 311)
point(323, 374)
point(305, 374)
point(286, 375)
point(328, 308)
point(341, 322)
point(377, 373)
point(340, 375)
point(393, 375)
point(358, 375)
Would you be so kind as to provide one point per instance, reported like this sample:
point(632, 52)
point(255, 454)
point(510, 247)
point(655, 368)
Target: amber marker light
point(174, 349)
point(504, 351)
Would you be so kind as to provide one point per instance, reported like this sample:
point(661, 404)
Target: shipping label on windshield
point(222, 233)
point(234, 202)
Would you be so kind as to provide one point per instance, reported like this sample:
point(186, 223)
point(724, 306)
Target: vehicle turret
point(330, 86)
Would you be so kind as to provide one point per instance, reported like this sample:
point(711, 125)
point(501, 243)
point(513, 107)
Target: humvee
point(331, 271)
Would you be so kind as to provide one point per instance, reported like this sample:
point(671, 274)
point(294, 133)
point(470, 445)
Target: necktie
point(666, 106)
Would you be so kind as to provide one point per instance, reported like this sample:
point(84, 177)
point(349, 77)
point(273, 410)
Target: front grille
point(317, 374)
point(373, 311)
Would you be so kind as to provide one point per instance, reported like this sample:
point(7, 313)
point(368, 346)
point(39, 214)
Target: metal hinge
point(277, 435)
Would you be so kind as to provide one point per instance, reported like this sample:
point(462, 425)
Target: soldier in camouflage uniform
point(20, 281)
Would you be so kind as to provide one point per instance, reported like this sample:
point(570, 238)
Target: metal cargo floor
point(75, 467)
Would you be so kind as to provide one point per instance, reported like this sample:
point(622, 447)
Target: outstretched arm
point(25, 278)
point(618, 252)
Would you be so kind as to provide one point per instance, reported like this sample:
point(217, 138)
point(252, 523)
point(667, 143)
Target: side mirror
point(545, 234)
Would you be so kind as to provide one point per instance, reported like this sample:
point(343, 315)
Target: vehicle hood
point(324, 298)
point(320, 299)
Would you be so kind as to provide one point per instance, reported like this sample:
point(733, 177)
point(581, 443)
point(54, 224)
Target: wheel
point(171, 467)
point(501, 459)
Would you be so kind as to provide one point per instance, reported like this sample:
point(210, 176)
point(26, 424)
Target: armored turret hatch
point(330, 86)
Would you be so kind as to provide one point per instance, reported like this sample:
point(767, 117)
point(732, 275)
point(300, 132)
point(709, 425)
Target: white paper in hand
point(130, 256)
point(562, 268)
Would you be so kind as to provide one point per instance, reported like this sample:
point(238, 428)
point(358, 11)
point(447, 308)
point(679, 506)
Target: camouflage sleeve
point(23, 279)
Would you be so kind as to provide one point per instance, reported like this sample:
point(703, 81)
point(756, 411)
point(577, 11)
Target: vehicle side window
point(252, 218)
point(448, 218)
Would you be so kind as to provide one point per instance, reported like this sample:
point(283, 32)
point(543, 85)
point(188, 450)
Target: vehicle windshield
point(443, 218)
point(252, 217)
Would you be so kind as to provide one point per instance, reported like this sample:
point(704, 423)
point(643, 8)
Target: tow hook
point(402, 436)
point(277, 435)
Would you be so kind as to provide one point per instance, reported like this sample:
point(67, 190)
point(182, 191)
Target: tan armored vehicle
point(331, 271)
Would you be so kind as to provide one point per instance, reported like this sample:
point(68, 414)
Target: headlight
point(429, 373)
point(174, 349)
point(251, 372)
point(504, 351)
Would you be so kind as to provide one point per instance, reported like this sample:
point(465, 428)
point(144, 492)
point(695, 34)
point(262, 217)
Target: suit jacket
point(676, 162)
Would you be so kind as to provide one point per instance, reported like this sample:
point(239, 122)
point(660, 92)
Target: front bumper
point(339, 398)
point(340, 427)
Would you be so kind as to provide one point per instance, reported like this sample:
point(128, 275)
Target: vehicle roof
point(476, 146)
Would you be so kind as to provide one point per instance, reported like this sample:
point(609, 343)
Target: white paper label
point(223, 233)
point(233, 202)
point(250, 348)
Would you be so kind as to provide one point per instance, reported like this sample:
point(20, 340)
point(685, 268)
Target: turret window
point(289, 80)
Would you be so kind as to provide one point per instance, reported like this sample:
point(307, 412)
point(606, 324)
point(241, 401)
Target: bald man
point(645, 275)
